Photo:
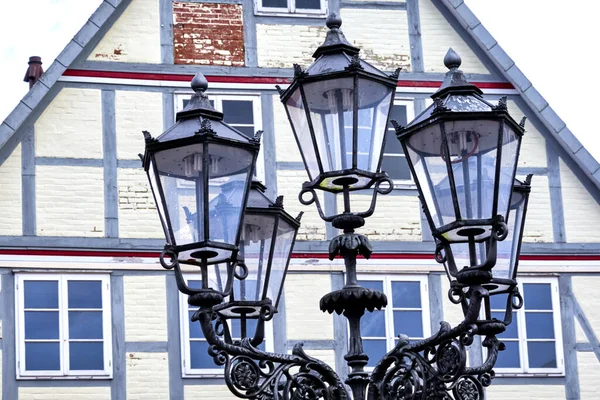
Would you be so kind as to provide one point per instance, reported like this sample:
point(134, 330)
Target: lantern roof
point(200, 119)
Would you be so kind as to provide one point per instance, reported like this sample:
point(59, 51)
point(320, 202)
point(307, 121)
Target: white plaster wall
point(136, 112)
point(382, 36)
point(134, 37)
point(69, 201)
point(581, 211)
point(279, 46)
point(533, 144)
point(437, 35)
point(395, 217)
point(327, 356)
point(538, 225)
point(138, 217)
point(10, 195)
point(71, 392)
point(71, 125)
point(286, 148)
point(147, 376)
point(512, 392)
point(289, 184)
point(588, 367)
point(145, 309)
point(585, 289)
point(207, 392)
point(303, 318)
point(452, 312)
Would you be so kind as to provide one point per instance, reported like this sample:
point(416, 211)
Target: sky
point(553, 42)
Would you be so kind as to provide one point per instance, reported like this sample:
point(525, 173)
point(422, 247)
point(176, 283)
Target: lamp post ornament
point(462, 152)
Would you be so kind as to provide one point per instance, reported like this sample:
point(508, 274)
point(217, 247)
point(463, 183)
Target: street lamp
point(189, 167)
point(462, 152)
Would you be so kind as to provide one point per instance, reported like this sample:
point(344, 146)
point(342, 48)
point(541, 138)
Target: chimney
point(34, 71)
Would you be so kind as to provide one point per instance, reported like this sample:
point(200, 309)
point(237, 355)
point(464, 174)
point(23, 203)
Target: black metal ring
point(500, 230)
point(386, 190)
point(171, 254)
point(267, 312)
point(243, 273)
point(456, 295)
point(516, 296)
point(311, 200)
point(440, 254)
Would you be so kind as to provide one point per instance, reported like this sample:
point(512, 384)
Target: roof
point(539, 106)
point(458, 9)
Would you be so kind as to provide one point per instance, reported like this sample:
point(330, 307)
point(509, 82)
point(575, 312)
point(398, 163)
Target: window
point(394, 161)
point(286, 7)
point(196, 361)
point(407, 312)
point(241, 112)
point(63, 326)
point(533, 339)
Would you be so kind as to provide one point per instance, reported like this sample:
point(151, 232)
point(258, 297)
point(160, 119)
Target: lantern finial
point(335, 40)
point(452, 60)
point(199, 83)
point(333, 21)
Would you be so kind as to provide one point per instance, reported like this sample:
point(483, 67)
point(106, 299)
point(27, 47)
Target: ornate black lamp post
point(463, 153)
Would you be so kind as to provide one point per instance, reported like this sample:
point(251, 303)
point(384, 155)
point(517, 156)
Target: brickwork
point(533, 145)
point(208, 34)
point(138, 217)
point(147, 376)
point(69, 201)
point(71, 125)
point(582, 213)
point(538, 225)
point(145, 309)
point(280, 46)
point(134, 113)
point(303, 318)
point(382, 36)
point(10, 195)
point(589, 372)
point(511, 392)
point(437, 36)
point(134, 37)
point(71, 392)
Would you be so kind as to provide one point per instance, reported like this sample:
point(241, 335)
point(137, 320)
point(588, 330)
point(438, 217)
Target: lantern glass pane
point(256, 245)
point(472, 151)
point(188, 189)
point(331, 106)
point(229, 167)
point(299, 121)
point(424, 148)
point(158, 195)
point(281, 256)
point(508, 165)
point(509, 247)
point(374, 102)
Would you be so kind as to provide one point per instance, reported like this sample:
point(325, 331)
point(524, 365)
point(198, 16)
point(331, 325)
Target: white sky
point(553, 42)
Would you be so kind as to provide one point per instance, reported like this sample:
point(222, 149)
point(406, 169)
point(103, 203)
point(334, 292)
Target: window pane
point(392, 144)
point(195, 330)
point(373, 324)
point(512, 331)
point(199, 356)
point(238, 112)
point(85, 294)
point(275, 3)
point(537, 296)
point(539, 325)
point(246, 130)
point(406, 294)
point(41, 294)
point(41, 325)
point(509, 358)
point(398, 113)
point(373, 285)
point(309, 4)
point(86, 356)
point(375, 349)
point(409, 323)
point(195, 284)
point(42, 356)
point(396, 167)
point(498, 302)
point(85, 325)
point(541, 354)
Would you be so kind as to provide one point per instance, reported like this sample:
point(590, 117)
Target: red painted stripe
point(247, 79)
point(380, 256)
